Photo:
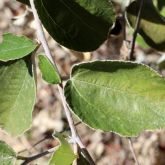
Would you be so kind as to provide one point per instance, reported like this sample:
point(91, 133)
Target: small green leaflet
point(7, 154)
point(15, 47)
point(49, 72)
point(64, 154)
point(17, 95)
point(122, 97)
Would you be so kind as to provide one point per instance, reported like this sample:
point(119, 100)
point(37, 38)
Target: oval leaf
point(64, 155)
point(15, 47)
point(49, 72)
point(17, 95)
point(122, 97)
point(7, 154)
point(81, 25)
point(152, 26)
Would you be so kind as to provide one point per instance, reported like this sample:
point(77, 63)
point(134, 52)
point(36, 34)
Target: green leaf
point(49, 72)
point(121, 97)
point(64, 155)
point(81, 25)
point(17, 95)
point(7, 154)
point(152, 26)
point(15, 47)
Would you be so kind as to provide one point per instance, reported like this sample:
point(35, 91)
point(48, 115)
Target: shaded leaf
point(81, 25)
point(49, 72)
point(152, 26)
point(17, 95)
point(7, 154)
point(15, 47)
point(64, 155)
point(122, 97)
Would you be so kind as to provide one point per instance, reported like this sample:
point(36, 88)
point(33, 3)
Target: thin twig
point(35, 157)
point(132, 151)
point(45, 138)
point(34, 145)
point(42, 39)
point(137, 26)
point(69, 117)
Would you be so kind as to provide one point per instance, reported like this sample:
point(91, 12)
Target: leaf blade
point(49, 72)
point(17, 95)
point(15, 47)
point(152, 24)
point(64, 154)
point(130, 94)
point(79, 25)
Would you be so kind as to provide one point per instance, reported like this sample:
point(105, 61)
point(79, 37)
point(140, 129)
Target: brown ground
point(105, 148)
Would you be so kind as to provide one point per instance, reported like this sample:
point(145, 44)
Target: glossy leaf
point(81, 25)
point(122, 97)
point(17, 95)
point(7, 154)
point(15, 47)
point(49, 72)
point(152, 27)
point(64, 155)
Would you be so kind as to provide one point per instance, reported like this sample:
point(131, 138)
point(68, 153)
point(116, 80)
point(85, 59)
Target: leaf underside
point(121, 97)
point(17, 95)
point(15, 47)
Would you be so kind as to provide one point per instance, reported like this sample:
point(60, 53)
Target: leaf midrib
point(156, 106)
point(117, 90)
point(15, 49)
point(14, 103)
